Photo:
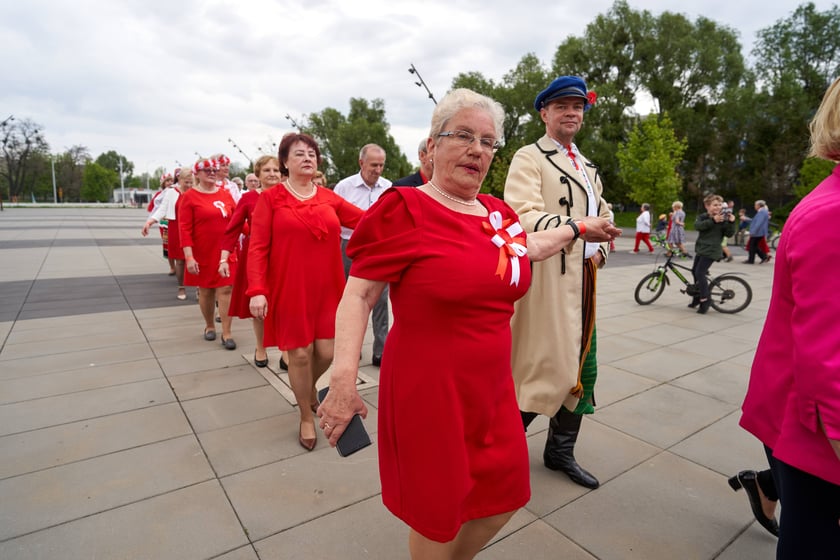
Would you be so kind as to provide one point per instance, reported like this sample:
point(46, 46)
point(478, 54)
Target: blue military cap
point(563, 86)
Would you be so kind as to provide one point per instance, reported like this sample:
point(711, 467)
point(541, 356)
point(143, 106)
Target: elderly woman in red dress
point(452, 454)
point(203, 215)
point(267, 170)
point(295, 271)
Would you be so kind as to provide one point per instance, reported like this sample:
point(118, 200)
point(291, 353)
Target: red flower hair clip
point(591, 97)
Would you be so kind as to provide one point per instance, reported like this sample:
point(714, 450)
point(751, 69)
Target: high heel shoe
point(307, 443)
point(749, 482)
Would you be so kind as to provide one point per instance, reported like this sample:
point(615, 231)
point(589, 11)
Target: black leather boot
point(559, 455)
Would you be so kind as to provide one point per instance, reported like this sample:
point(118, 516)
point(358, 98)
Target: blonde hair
point(677, 205)
point(712, 198)
point(262, 162)
point(825, 126)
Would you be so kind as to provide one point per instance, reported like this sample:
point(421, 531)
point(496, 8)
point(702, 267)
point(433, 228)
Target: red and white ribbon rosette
point(505, 235)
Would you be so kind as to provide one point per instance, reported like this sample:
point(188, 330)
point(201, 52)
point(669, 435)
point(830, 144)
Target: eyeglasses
point(209, 170)
point(464, 138)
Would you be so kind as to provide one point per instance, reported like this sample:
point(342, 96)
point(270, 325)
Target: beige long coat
point(545, 190)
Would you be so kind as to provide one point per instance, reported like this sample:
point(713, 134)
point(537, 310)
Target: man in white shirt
point(363, 189)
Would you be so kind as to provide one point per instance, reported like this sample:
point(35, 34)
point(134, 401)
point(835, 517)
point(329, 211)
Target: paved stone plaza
point(123, 434)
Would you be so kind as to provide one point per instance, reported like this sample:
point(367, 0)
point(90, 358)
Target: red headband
point(224, 160)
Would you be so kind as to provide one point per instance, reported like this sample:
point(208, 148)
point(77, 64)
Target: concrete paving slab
point(191, 386)
point(42, 499)
point(211, 356)
point(48, 363)
point(193, 522)
point(753, 544)
point(605, 452)
point(230, 409)
point(663, 415)
point(725, 381)
point(537, 540)
point(712, 447)
point(615, 384)
point(78, 380)
point(286, 494)
point(49, 447)
point(61, 409)
point(666, 507)
point(665, 363)
point(361, 531)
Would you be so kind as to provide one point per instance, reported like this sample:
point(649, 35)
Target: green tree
point(812, 173)
point(111, 160)
point(98, 183)
point(796, 60)
point(515, 92)
point(341, 138)
point(69, 168)
point(649, 161)
point(20, 164)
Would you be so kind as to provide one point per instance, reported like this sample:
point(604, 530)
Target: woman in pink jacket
point(793, 401)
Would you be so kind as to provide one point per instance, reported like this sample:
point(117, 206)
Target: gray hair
point(422, 149)
point(760, 203)
point(460, 99)
point(363, 152)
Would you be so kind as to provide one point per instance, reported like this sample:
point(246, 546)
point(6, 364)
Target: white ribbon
point(519, 250)
point(221, 206)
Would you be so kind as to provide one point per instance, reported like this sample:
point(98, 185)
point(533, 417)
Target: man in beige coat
point(550, 183)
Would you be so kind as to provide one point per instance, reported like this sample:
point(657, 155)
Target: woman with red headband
point(203, 216)
point(295, 272)
point(267, 170)
point(167, 211)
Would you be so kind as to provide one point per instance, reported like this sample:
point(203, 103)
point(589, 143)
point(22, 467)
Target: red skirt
point(174, 244)
point(239, 302)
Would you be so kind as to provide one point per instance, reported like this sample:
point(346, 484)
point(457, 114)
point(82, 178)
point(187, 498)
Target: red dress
point(451, 443)
point(202, 220)
point(240, 224)
point(294, 260)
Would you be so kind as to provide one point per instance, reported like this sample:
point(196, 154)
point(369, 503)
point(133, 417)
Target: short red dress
point(451, 443)
point(294, 259)
point(237, 240)
point(202, 220)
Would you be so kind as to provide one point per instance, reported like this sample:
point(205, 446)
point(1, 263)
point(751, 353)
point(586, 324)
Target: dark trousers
point(754, 249)
point(379, 314)
point(809, 528)
point(699, 269)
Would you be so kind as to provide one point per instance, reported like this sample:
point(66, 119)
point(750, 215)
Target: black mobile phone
point(355, 436)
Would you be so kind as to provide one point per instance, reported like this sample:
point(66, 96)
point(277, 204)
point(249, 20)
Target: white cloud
point(160, 80)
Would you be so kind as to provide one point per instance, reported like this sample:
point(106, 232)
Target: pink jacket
point(795, 376)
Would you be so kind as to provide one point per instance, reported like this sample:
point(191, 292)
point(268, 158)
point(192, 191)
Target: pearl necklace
point(288, 185)
point(472, 202)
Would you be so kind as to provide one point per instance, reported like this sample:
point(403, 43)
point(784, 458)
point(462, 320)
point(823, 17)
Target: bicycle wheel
point(774, 241)
point(729, 293)
point(650, 288)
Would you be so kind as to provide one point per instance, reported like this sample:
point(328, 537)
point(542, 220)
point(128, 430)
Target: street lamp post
point(55, 191)
point(421, 83)
point(122, 183)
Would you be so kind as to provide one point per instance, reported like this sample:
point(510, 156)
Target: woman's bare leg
point(259, 331)
point(300, 378)
point(223, 297)
point(207, 305)
point(472, 537)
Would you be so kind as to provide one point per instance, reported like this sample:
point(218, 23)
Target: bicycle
point(728, 293)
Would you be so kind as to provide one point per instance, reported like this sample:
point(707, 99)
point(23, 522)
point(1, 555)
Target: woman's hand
point(258, 307)
point(224, 269)
point(146, 226)
point(192, 265)
point(599, 230)
point(338, 408)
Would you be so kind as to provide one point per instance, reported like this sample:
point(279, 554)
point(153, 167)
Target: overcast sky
point(159, 80)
